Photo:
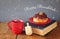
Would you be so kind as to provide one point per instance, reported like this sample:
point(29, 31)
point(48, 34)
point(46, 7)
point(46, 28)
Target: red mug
point(16, 26)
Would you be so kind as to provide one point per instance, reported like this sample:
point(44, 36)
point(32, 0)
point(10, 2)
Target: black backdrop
point(12, 9)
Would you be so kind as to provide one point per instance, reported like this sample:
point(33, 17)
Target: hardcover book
point(43, 29)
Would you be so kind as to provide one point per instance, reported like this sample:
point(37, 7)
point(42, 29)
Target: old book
point(43, 29)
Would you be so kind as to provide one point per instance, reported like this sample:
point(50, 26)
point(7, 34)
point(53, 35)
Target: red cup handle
point(10, 25)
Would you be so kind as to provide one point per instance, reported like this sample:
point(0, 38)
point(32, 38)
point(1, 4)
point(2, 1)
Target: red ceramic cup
point(16, 26)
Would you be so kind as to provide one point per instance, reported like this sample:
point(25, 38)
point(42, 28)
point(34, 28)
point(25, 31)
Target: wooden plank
point(5, 33)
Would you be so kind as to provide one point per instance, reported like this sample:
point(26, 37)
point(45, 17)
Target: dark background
point(13, 9)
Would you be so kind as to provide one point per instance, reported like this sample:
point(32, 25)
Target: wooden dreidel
point(28, 29)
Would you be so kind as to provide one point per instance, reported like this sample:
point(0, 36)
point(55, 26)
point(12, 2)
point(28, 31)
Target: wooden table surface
point(6, 33)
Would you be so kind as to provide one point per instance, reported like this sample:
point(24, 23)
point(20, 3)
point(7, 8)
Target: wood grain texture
point(6, 33)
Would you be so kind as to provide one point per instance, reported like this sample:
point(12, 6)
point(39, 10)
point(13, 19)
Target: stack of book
point(43, 29)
